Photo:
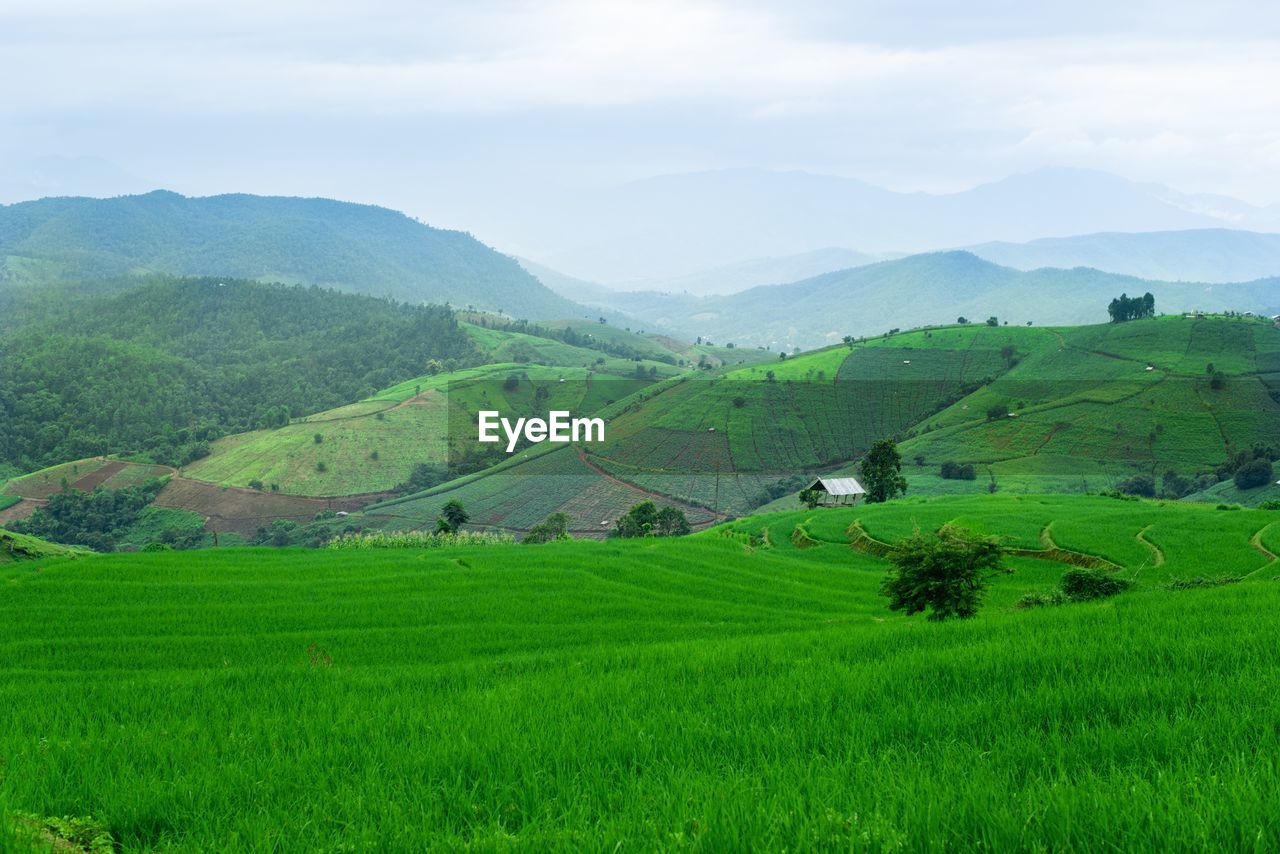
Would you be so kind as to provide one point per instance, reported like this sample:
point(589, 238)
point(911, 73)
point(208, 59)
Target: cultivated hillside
point(358, 248)
point(1080, 409)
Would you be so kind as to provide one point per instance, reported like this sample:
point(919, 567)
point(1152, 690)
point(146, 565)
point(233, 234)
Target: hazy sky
point(447, 110)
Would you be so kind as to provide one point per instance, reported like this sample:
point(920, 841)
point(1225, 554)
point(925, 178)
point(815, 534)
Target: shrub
point(255, 484)
point(1080, 585)
point(322, 467)
point(1141, 484)
point(1253, 474)
point(958, 471)
point(317, 438)
point(1272, 504)
point(944, 574)
point(1000, 410)
point(554, 527)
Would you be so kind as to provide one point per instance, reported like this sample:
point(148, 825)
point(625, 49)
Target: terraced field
point(719, 692)
point(371, 446)
point(1088, 406)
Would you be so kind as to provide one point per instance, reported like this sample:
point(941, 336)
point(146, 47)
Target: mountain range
point(358, 248)
point(672, 226)
point(930, 288)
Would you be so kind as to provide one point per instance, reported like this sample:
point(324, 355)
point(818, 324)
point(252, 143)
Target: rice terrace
point(639, 427)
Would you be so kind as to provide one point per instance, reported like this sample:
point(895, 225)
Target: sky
point(451, 111)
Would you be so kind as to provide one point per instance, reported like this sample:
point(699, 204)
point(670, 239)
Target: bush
point(1142, 484)
point(1272, 504)
point(1253, 474)
point(1000, 410)
point(945, 574)
point(646, 520)
point(958, 471)
point(1081, 585)
point(554, 527)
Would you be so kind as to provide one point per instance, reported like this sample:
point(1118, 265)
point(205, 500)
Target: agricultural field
point(519, 495)
point(371, 446)
point(1087, 408)
point(743, 687)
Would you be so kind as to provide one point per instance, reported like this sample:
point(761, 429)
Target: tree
point(962, 320)
point(554, 527)
point(453, 515)
point(881, 472)
point(810, 498)
point(945, 574)
point(1124, 307)
point(999, 410)
point(671, 522)
point(1253, 474)
point(993, 321)
point(1218, 381)
point(639, 521)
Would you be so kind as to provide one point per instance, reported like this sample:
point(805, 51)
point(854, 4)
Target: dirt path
point(1256, 542)
point(1156, 554)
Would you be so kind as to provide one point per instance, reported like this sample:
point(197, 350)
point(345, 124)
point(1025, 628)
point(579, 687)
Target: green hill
point(23, 547)
point(357, 248)
point(374, 445)
point(1079, 411)
point(725, 691)
point(923, 290)
point(164, 365)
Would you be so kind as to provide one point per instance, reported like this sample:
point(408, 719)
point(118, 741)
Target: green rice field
point(744, 688)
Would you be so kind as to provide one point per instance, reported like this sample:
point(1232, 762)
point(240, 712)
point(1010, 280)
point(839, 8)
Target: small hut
point(838, 490)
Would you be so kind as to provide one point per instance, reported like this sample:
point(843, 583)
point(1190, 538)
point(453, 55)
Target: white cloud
point(1198, 111)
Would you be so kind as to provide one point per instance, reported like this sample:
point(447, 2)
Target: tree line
point(1125, 307)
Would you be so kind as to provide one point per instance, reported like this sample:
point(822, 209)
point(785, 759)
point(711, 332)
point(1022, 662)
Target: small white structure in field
point(838, 490)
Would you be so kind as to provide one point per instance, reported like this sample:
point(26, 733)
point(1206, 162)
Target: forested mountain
point(925, 289)
point(1194, 255)
point(356, 248)
point(168, 364)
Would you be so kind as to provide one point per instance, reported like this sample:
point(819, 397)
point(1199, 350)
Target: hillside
point(1214, 255)
point(725, 691)
point(925, 290)
point(373, 445)
point(24, 547)
point(160, 366)
point(1085, 414)
point(356, 248)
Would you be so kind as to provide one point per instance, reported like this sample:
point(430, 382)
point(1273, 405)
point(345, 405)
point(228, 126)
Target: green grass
point(24, 547)
point(695, 693)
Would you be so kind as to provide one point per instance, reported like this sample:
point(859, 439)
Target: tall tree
point(881, 472)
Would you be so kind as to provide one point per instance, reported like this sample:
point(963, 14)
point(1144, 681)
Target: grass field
point(704, 693)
